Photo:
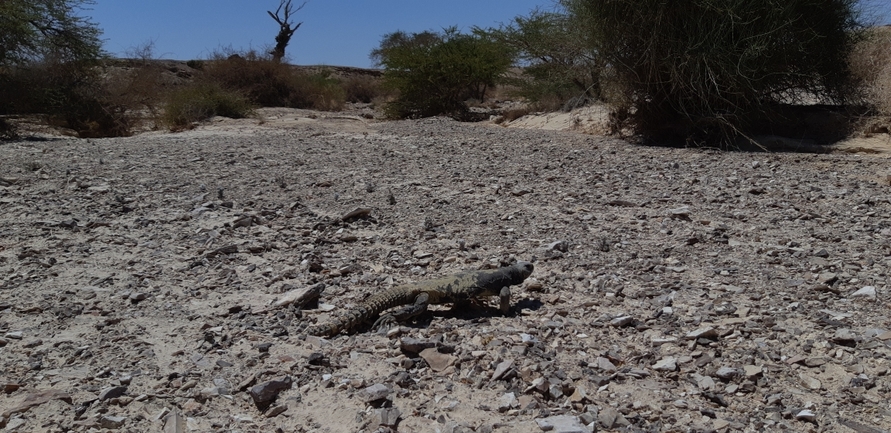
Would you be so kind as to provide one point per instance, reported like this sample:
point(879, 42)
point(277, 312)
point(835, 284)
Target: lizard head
point(525, 268)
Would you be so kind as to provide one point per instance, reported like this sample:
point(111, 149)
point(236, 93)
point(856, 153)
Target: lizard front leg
point(505, 300)
point(404, 313)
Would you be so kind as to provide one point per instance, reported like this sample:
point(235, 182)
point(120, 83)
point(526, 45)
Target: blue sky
point(334, 32)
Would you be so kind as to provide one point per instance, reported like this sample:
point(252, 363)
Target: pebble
point(609, 418)
point(621, 321)
point(386, 416)
point(112, 422)
point(265, 393)
point(705, 332)
point(605, 365)
point(374, 392)
point(562, 424)
point(866, 292)
point(728, 373)
point(436, 360)
point(502, 368)
point(507, 402)
point(666, 364)
point(805, 415)
point(810, 382)
point(112, 392)
point(14, 335)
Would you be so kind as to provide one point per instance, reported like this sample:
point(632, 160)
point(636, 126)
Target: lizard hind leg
point(402, 314)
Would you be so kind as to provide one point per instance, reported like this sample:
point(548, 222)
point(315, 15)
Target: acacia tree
point(34, 30)
point(286, 28)
point(434, 73)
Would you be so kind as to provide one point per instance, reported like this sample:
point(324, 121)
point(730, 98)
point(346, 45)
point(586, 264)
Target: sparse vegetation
point(559, 69)
point(202, 101)
point(435, 73)
point(871, 66)
point(701, 71)
point(268, 83)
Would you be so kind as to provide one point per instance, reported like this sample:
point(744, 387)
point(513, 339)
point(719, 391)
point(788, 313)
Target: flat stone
point(111, 422)
point(609, 418)
point(386, 416)
point(704, 332)
point(502, 368)
point(867, 292)
point(752, 370)
point(666, 364)
point(413, 345)
point(14, 335)
point(436, 360)
point(36, 399)
point(605, 365)
point(621, 321)
point(805, 415)
point(810, 382)
point(705, 383)
point(562, 424)
point(112, 392)
point(507, 401)
point(374, 392)
point(727, 373)
point(265, 393)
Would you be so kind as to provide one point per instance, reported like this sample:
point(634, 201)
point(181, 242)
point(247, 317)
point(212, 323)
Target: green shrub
point(362, 88)
point(435, 73)
point(706, 71)
point(559, 68)
point(202, 101)
point(7, 130)
point(268, 83)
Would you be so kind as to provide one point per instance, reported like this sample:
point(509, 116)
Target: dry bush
point(71, 95)
point(871, 66)
point(362, 88)
point(514, 114)
point(201, 101)
point(689, 73)
point(272, 84)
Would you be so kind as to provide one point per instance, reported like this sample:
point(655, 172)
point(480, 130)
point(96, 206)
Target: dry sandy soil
point(674, 290)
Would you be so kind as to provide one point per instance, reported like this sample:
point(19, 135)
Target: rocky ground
point(145, 282)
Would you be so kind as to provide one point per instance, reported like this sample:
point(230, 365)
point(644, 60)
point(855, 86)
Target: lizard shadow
point(473, 312)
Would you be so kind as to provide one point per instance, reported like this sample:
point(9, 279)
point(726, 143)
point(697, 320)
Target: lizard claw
point(384, 323)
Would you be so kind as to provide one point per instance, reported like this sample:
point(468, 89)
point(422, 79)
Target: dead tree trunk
point(285, 28)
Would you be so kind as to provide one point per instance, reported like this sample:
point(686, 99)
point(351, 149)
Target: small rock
point(15, 335)
point(728, 373)
point(805, 415)
point(666, 364)
point(112, 422)
point(561, 246)
point(413, 345)
point(622, 321)
point(752, 370)
point(867, 292)
point(265, 393)
point(436, 360)
point(609, 418)
point(374, 392)
point(810, 382)
point(562, 424)
point(706, 332)
point(359, 212)
point(605, 365)
point(113, 392)
point(507, 402)
point(386, 416)
point(502, 368)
